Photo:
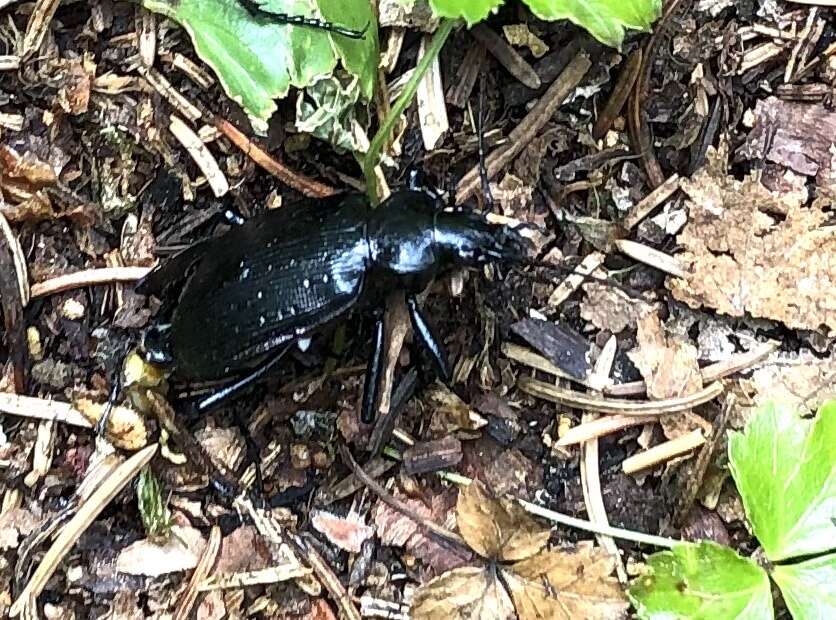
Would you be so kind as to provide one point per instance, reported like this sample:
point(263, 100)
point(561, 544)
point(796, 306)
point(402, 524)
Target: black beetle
point(249, 294)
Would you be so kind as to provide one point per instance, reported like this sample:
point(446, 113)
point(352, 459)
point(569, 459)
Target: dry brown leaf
point(567, 584)
point(668, 365)
point(398, 530)
point(608, 308)
point(497, 528)
point(752, 250)
point(451, 413)
point(468, 593)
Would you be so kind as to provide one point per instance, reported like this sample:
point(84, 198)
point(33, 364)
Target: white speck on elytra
point(306, 283)
point(261, 321)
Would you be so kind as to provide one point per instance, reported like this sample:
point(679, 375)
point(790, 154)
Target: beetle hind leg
point(371, 386)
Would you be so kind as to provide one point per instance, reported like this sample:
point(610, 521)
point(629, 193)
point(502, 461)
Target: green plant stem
point(382, 136)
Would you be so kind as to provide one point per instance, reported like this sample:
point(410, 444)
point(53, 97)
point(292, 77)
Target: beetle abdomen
point(268, 282)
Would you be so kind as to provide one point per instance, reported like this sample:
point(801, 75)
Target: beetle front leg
point(371, 386)
point(428, 338)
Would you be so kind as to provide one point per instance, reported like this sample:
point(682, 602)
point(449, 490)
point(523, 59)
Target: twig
point(398, 505)
point(601, 427)
point(651, 201)
point(88, 277)
point(529, 127)
point(506, 55)
point(663, 452)
point(620, 93)
point(37, 26)
point(299, 182)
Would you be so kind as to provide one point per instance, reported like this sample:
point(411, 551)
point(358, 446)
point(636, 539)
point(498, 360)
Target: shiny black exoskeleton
point(244, 297)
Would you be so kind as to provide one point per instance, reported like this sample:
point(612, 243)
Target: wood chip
point(663, 452)
point(432, 111)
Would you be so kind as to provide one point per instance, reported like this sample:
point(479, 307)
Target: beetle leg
point(425, 334)
point(231, 391)
point(374, 370)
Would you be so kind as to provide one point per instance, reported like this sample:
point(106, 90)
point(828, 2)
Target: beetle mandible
point(250, 294)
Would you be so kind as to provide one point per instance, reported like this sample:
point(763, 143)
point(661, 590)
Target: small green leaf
point(472, 11)
point(785, 470)
point(603, 19)
point(153, 508)
point(809, 587)
point(257, 59)
point(703, 581)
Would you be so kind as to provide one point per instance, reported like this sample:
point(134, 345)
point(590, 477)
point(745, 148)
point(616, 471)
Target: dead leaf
point(243, 550)
point(520, 36)
point(668, 365)
point(756, 251)
point(567, 584)
point(468, 593)
point(396, 529)
point(16, 524)
point(610, 309)
point(497, 529)
point(450, 413)
point(348, 533)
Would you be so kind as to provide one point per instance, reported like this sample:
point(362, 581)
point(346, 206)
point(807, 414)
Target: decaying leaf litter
point(691, 173)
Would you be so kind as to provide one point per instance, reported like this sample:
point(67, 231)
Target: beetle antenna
point(585, 277)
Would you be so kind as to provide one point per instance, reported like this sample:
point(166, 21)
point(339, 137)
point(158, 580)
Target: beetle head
point(467, 238)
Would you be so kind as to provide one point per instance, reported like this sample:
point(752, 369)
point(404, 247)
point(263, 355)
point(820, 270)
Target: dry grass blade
point(651, 201)
point(201, 571)
point(432, 112)
point(85, 515)
point(653, 258)
point(555, 394)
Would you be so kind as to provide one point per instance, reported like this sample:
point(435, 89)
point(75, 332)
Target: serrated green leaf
point(785, 470)
point(605, 20)
point(256, 59)
point(809, 587)
point(703, 581)
point(472, 11)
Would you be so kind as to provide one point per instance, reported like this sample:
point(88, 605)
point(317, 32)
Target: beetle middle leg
point(428, 338)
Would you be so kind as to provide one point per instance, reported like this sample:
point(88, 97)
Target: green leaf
point(785, 470)
point(257, 60)
point(703, 581)
point(359, 56)
point(809, 587)
point(472, 11)
point(603, 19)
